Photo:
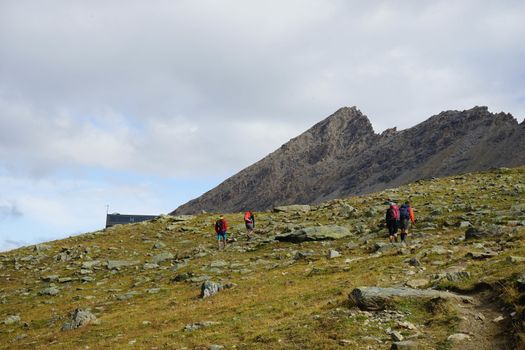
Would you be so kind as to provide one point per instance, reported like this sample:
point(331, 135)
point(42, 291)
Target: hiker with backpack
point(249, 221)
point(406, 218)
point(392, 216)
point(221, 228)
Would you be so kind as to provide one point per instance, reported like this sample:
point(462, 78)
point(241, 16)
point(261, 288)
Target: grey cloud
point(173, 87)
point(9, 209)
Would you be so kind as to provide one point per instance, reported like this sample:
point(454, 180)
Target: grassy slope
point(280, 302)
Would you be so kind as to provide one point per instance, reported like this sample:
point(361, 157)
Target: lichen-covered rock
point(80, 318)
point(209, 288)
point(315, 233)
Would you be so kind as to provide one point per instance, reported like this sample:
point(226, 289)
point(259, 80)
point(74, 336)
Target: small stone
point(417, 283)
point(150, 266)
point(396, 336)
point(11, 319)
point(216, 347)
point(153, 290)
point(118, 264)
point(404, 345)
point(407, 325)
point(159, 245)
point(49, 291)
point(90, 264)
point(458, 338)
point(498, 319)
point(209, 288)
point(414, 262)
point(50, 278)
point(80, 318)
point(515, 259)
point(333, 254)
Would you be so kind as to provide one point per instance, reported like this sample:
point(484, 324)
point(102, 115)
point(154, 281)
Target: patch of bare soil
point(487, 327)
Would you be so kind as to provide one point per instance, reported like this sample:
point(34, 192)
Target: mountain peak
point(342, 156)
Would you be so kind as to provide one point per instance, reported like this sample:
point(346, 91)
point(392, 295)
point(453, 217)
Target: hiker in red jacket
point(221, 227)
point(249, 221)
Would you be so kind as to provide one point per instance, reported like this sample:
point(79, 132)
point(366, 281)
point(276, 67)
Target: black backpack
point(219, 225)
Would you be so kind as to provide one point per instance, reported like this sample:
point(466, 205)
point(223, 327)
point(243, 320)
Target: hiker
point(406, 217)
point(220, 228)
point(249, 221)
point(391, 222)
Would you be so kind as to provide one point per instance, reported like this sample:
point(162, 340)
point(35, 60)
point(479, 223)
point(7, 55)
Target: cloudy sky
point(143, 105)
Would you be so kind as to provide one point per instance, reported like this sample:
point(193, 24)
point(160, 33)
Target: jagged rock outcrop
point(343, 156)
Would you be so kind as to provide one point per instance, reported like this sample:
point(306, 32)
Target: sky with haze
point(144, 105)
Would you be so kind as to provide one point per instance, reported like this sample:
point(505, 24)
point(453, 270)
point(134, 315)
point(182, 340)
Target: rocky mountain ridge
point(342, 156)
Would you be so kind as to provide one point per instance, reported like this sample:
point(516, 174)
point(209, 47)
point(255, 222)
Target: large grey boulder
point(315, 233)
point(377, 298)
point(80, 318)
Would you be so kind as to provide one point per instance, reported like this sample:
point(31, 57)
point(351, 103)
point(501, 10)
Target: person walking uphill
point(406, 217)
point(221, 228)
point(249, 221)
point(391, 222)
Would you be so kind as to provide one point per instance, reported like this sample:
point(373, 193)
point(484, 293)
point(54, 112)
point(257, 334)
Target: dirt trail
point(477, 320)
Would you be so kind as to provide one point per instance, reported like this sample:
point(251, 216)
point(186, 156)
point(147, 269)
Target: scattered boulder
point(292, 208)
point(404, 345)
point(218, 263)
point(198, 325)
point(49, 291)
point(515, 259)
point(90, 264)
point(377, 298)
point(80, 318)
point(159, 245)
point(452, 275)
point(150, 266)
point(417, 283)
point(209, 288)
point(181, 218)
point(458, 338)
point(332, 253)
point(119, 264)
point(50, 278)
point(390, 248)
point(159, 258)
point(414, 262)
point(396, 336)
point(316, 233)
point(481, 255)
point(11, 319)
point(38, 248)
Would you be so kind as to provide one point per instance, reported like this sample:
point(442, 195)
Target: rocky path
point(482, 326)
